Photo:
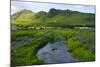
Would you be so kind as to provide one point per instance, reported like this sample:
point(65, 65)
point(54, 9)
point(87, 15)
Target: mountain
point(53, 17)
point(22, 17)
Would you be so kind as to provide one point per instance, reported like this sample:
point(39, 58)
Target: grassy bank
point(81, 44)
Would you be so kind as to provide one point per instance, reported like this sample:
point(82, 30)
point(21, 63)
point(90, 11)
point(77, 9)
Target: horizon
point(45, 11)
point(17, 6)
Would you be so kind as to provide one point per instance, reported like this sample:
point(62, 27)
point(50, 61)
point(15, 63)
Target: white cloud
point(13, 8)
point(85, 2)
point(36, 6)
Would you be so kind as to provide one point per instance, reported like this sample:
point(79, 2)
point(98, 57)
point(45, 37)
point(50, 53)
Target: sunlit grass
point(79, 42)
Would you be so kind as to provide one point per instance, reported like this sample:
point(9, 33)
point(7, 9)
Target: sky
point(36, 7)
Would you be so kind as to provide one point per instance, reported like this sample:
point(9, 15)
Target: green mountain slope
point(23, 17)
point(54, 16)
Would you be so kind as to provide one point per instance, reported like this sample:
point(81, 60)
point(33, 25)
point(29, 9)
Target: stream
point(56, 52)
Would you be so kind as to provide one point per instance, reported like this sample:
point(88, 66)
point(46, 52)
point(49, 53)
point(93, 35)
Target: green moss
point(72, 44)
point(26, 55)
point(83, 55)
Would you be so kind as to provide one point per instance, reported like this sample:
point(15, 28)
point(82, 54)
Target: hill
point(54, 17)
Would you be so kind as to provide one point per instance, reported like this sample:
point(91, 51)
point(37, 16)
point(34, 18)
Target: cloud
point(36, 6)
point(13, 8)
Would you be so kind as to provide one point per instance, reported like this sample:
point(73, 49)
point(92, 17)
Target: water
point(89, 28)
point(55, 53)
point(38, 28)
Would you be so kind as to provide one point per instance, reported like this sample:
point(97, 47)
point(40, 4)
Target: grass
point(26, 55)
point(81, 44)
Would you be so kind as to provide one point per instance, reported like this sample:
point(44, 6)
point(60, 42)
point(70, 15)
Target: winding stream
point(56, 52)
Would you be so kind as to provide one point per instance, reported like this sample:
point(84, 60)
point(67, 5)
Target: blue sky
point(36, 7)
